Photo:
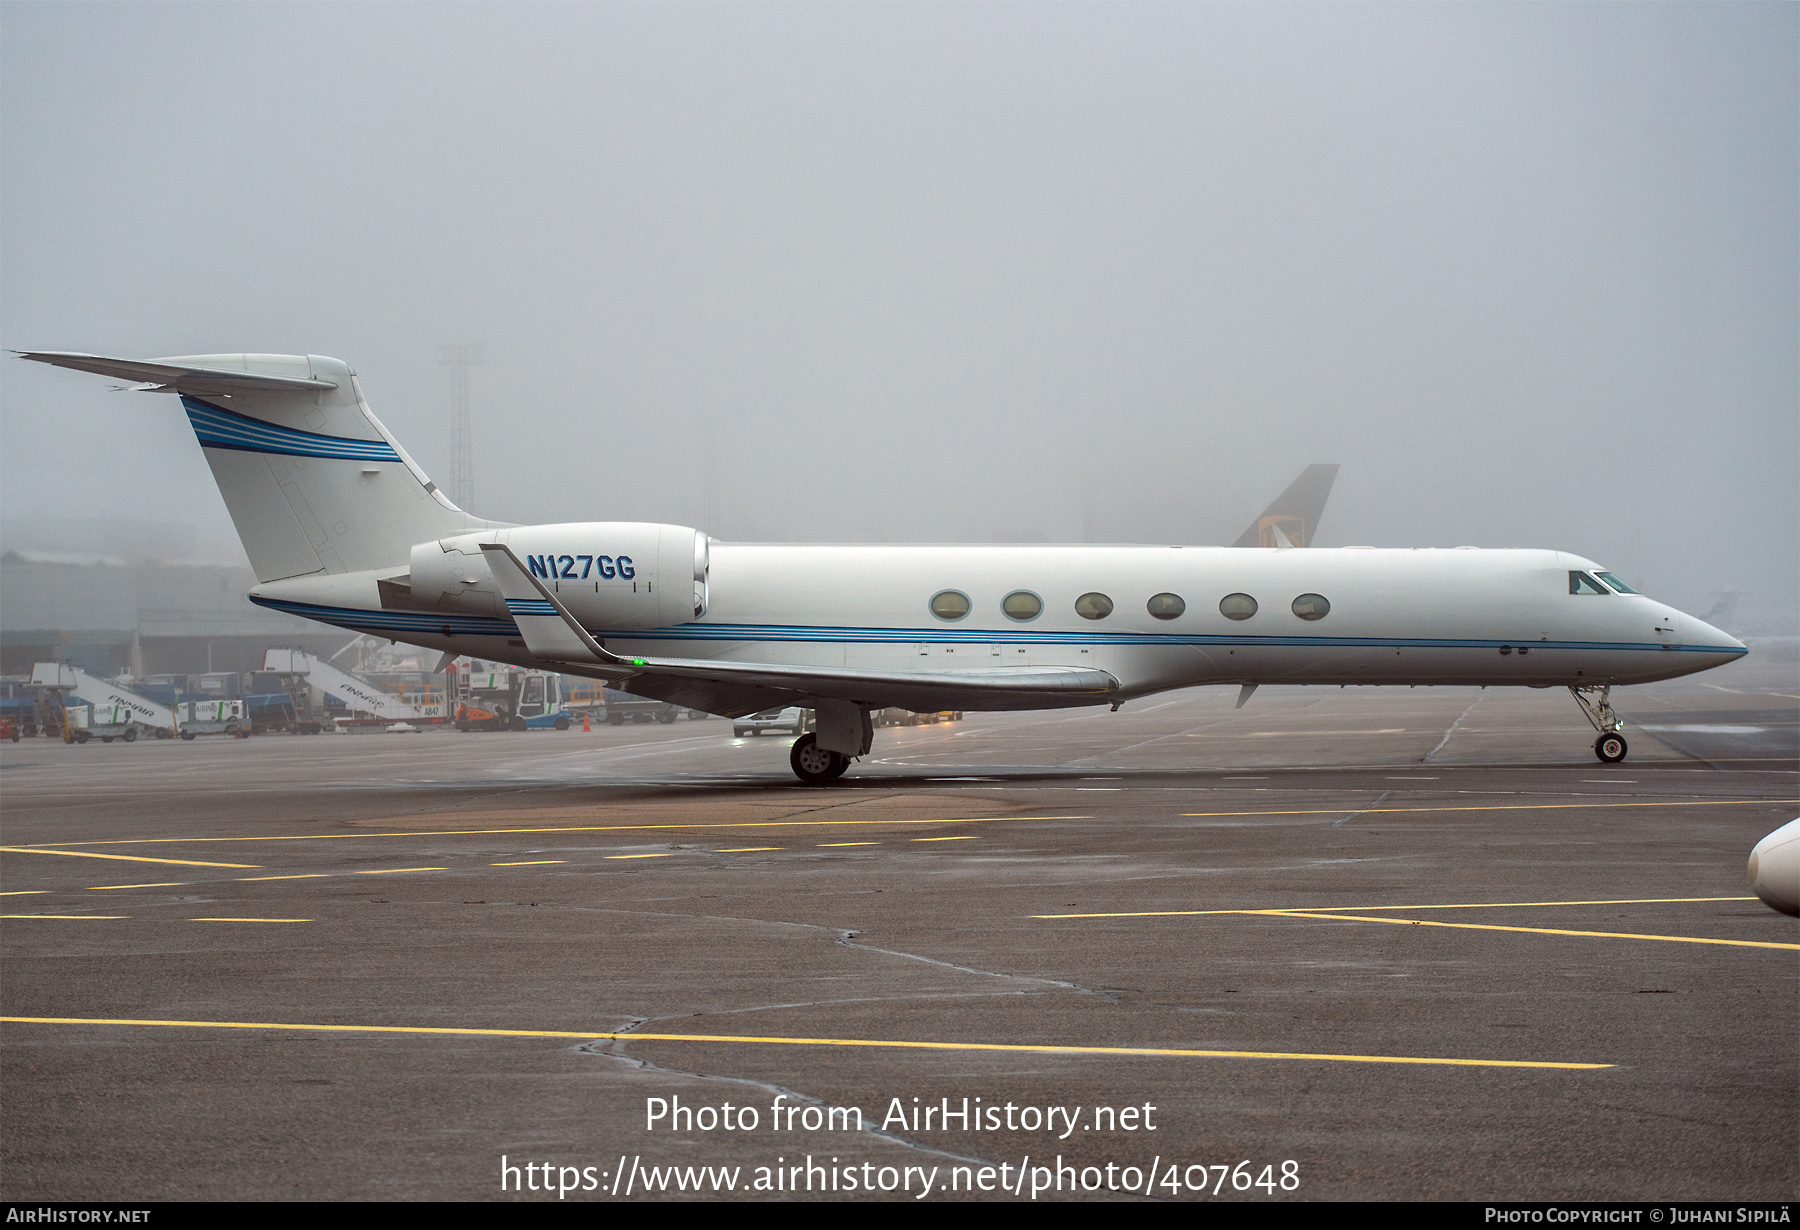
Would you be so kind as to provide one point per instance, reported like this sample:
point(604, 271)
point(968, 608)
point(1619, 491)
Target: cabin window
point(1022, 605)
point(1237, 606)
point(1311, 606)
point(1166, 606)
point(1582, 583)
point(949, 604)
point(1617, 584)
point(1093, 606)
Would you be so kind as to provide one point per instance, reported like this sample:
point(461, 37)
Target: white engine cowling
point(610, 574)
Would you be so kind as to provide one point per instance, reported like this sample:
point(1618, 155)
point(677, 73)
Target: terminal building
point(118, 596)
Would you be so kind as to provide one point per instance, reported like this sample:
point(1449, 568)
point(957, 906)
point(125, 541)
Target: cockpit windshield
point(1582, 583)
point(1617, 584)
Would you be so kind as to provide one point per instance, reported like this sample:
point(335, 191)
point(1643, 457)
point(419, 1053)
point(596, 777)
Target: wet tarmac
point(1337, 944)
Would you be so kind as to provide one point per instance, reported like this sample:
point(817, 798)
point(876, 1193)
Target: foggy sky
point(947, 272)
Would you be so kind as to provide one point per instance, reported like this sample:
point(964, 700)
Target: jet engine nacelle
point(609, 574)
point(1775, 868)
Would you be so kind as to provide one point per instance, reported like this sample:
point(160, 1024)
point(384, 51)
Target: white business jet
point(341, 526)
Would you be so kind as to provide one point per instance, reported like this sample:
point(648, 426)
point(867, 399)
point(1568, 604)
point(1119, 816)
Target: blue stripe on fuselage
point(475, 625)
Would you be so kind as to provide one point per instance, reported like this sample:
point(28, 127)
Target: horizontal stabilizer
point(173, 374)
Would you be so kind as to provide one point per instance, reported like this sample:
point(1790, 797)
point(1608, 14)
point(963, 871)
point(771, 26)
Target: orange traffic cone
point(585, 729)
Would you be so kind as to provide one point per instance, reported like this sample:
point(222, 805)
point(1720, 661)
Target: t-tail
point(313, 481)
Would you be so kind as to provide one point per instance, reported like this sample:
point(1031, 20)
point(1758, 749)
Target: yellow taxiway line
point(124, 858)
point(870, 1043)
point(1426, 811)
point(1460, 905)
point(583, 828)
point(1610, 935)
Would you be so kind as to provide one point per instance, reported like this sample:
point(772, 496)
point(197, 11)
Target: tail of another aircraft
point(1293, 519)
point(313, 481)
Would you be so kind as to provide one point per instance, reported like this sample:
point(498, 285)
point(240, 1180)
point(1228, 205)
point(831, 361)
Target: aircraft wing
point(732, 688)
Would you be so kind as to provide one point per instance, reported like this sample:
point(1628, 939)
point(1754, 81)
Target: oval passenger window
point(1166, 606)
point(1022, 605)
point(949, 604)
point(1311, 606)
point(1093, 606)
point(1237, 606)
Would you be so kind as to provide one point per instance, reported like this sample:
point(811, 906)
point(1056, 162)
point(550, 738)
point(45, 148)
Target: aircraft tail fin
point(1294, 516)
point(313, 481)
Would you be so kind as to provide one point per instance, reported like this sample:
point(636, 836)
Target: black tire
point(15, 734)
point(106, 738)
point(615, 719)
point(518, 723)
point(188, 735)
point(162, 732)
point(131, 734)
point(666, 717)
point(82, 736)
point(1611, 747)
point(738, 732)
point(815, 765)
point(562, 723)
point(697, 715)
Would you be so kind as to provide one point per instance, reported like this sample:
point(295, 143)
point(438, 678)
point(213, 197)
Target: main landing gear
point(1610, 746)
point(815, 765)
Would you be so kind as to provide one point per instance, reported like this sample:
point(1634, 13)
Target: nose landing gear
point(1610, 747)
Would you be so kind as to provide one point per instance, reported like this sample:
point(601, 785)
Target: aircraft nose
point(1775, 868)
point(1703, 633)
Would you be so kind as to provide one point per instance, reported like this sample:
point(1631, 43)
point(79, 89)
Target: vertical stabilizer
point(313, 481)
point(1295, 513)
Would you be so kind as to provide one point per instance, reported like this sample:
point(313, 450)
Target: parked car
point(790, 720)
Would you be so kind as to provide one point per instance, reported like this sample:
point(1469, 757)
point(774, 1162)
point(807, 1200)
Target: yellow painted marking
point(124, 858)
point(311, 875)
point(65, 916)
point(969, 838)
point(25, 892)
point(828, 845)
point(536, 862)
point(1610, 935)
point(667, 855)
point(393, 871)
point(249, 920)
point(1463, 905)
point(1007, 1047)
point(1370, 811)
point(587, 828)
point(748, 849)
point(102, 888)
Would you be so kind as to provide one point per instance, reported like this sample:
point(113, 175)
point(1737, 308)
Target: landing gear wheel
point(815, 765)
point(1611, 747)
